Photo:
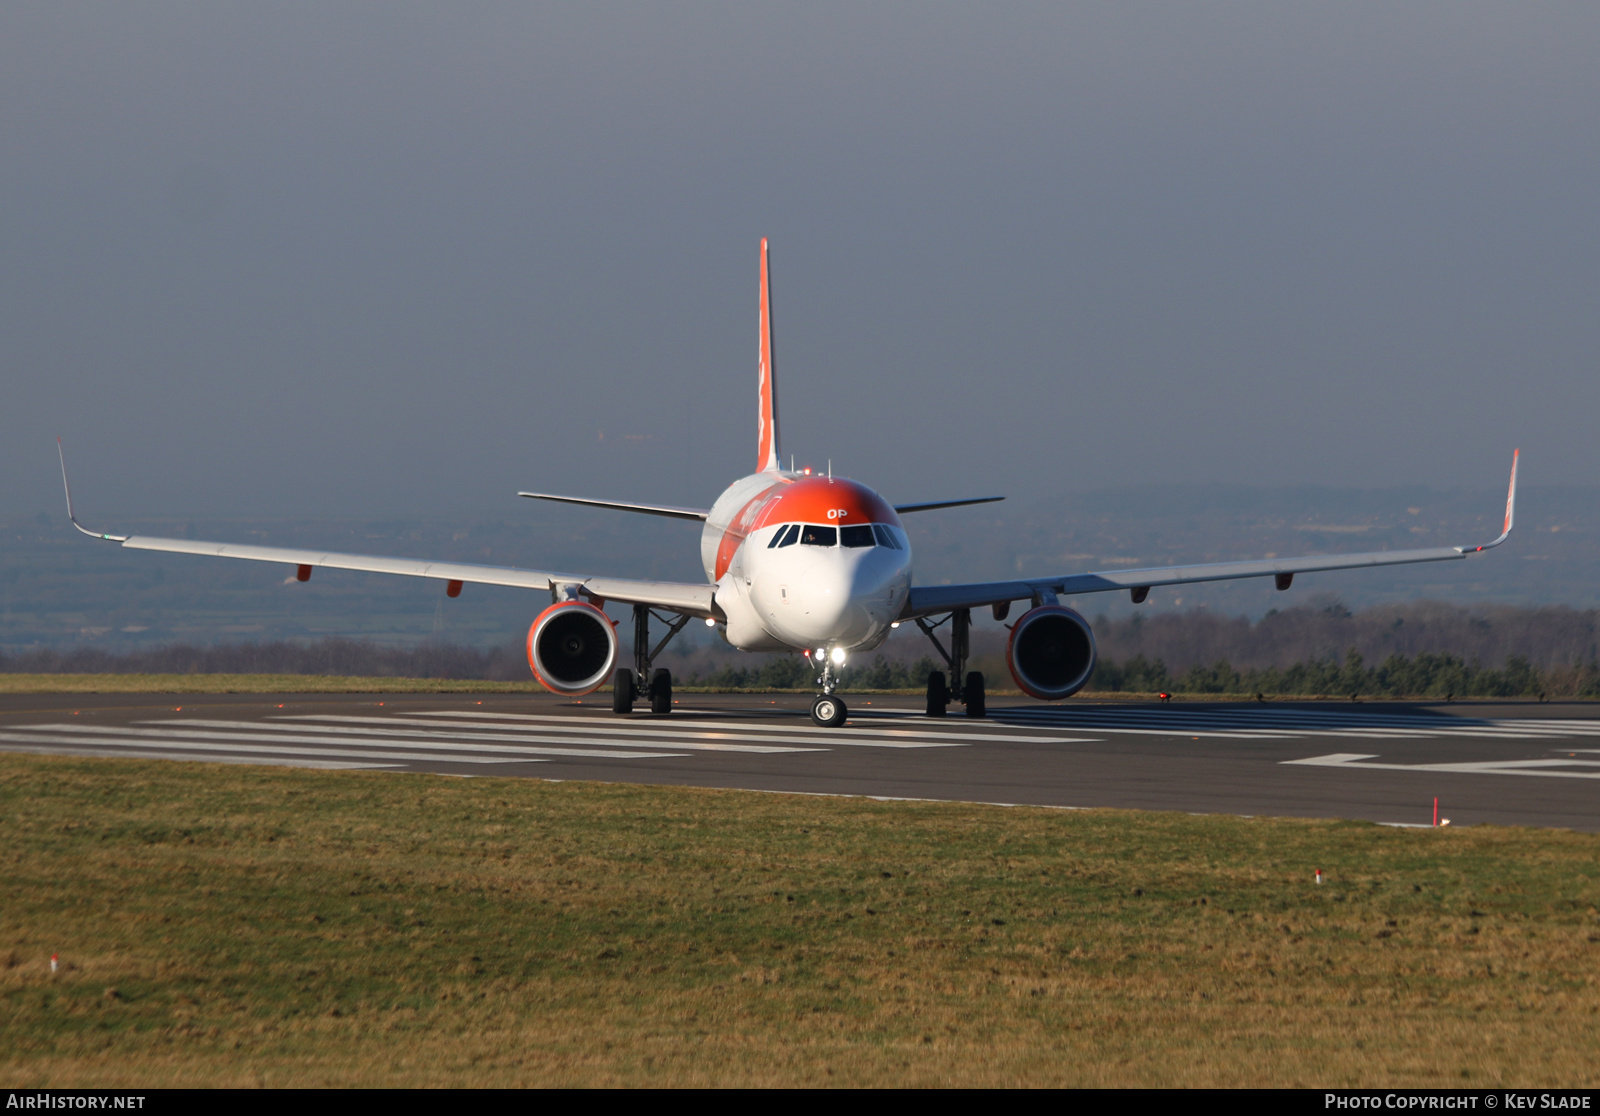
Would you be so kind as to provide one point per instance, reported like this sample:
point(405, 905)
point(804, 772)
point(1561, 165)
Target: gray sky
point(383, 258)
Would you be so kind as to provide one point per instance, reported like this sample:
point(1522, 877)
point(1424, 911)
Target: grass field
point(232, 926)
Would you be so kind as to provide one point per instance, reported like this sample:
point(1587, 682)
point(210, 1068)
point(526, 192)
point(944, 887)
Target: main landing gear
point(628, 685)
point(940, 696)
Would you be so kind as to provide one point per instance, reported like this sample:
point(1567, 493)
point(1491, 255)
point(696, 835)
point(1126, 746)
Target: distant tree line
point(1324, 628)
point(1426, 675)
point(323, 657)
point(1424, 649)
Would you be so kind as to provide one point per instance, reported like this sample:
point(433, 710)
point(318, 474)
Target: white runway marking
point(489, 740)
point(206, 757)
point(203, 750)
point(421, 750)
point(847, 736)
point(1542, 767)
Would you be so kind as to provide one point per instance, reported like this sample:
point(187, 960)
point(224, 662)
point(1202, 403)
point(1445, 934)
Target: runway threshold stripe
point(479, 740)
point(199, 757)
point(837, 736)
point(723, 740)
point(290, 740)
point(204, 748)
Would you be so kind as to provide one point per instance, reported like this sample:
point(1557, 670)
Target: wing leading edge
point(925, 600)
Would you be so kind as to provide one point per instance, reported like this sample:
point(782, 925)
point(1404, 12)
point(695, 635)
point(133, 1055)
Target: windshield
point(812, 535)
point(786, 536)
point(857, 535)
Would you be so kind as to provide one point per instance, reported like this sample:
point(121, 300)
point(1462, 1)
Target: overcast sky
point(362, 259)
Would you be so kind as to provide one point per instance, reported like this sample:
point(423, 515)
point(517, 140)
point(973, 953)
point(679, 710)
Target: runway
point(1507, 764)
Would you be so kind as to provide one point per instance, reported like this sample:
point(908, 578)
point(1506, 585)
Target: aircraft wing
point(903, 509)
point(926, 600)
point(674, 596)
point(622, 505)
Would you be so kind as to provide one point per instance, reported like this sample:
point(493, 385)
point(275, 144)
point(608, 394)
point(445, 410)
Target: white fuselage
point(792, 575)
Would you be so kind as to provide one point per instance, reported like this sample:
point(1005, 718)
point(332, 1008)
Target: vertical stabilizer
point(767, 420)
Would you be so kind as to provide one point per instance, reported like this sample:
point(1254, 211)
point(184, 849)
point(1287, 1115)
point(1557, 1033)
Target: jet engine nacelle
point(1051, 652)
point(571, 647)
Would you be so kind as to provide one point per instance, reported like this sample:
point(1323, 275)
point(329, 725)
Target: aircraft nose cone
point(836, 596)
point(824, 599)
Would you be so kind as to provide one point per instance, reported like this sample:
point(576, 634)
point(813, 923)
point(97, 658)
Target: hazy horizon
point(360, 259)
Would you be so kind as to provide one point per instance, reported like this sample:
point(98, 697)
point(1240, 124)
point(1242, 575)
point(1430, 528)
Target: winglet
point(767, 418)
point(1511, 507)
point(61, 453)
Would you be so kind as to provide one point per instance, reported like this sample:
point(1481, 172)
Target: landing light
point(838, 656)
point(894, 623)
point(711, 621)
point(821, 653)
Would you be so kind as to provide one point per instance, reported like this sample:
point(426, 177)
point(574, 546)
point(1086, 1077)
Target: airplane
point(797, 561)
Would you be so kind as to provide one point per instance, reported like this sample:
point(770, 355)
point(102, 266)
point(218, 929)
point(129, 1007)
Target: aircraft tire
point(828, 711)
point(938, 693)
point(661, 691)
point(622, 691)
point(976, 706)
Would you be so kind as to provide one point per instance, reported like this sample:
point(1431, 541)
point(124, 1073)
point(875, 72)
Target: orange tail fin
point(767, 420)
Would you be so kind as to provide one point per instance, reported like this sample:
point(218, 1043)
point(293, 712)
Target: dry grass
point(227, 926)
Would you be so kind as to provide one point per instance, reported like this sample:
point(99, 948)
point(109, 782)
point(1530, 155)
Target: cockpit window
point(856, 535)
point(785, 536)
point(886, 537)
point(812, 535)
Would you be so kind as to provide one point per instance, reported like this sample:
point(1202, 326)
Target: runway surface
point(1508, 764)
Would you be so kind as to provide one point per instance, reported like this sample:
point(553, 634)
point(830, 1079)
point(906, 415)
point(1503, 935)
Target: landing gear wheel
point(622, 691)
point(661, 691)
point(938, 693)
point(974, 694)
point(828, 711)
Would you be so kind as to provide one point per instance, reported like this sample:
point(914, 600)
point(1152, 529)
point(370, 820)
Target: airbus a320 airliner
point(797, 562)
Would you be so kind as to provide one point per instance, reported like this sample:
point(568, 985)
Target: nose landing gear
point(828, 711)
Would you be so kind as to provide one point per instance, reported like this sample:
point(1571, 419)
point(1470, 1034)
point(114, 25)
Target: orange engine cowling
point(571, 647)
point(1051, 653)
